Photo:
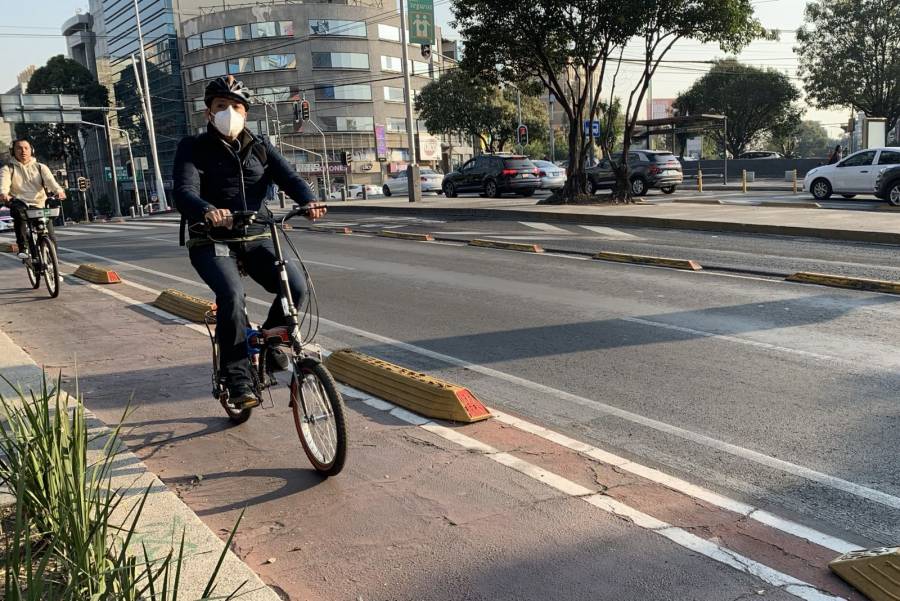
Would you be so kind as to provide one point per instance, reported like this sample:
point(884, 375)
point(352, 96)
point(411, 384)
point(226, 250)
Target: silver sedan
point(553, 177)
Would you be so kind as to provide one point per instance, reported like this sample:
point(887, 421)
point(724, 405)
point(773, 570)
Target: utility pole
point(148, 110)
point(117, 210)
point(412, 171)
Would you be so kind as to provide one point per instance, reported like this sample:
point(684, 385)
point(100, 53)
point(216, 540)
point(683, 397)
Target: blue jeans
point(217, 266)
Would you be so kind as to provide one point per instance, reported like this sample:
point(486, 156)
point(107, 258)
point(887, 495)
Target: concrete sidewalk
point(164, 518)
point(836, 224)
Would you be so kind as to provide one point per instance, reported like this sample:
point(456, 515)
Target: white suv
point(854, 175)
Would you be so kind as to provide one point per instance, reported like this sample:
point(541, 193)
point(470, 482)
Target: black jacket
point(207, 176)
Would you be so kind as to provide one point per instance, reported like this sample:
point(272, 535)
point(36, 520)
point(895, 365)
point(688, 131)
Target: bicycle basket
point(38, 213)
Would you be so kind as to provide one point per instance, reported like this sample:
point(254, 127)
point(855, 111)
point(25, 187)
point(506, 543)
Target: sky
point(32, 36)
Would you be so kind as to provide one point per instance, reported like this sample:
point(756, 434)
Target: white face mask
point(229, 122)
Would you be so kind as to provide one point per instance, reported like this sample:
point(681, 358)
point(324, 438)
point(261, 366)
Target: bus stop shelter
point(681, 125)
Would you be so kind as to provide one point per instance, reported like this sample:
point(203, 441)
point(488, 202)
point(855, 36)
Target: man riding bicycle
point(26, 181)
point(221, 171)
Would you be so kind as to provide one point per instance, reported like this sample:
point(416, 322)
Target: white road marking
point(98, 228)
point(609, 233)
point(68, 232)
point(677, 535)
point(170, 240)
point(834, 482)
point(545, 227)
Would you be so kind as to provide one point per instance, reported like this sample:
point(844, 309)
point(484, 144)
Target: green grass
point(61, 541)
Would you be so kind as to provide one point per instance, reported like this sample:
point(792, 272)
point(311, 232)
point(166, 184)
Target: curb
point(406, 236)
point(164, 516)
point(647, 260)
point(838, 281)
point(416, 391)
point(97, 275)
point(184, 305)
point(517, 246)
point(631, 220)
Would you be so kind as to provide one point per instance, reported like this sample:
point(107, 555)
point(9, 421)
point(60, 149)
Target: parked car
point(494, 175)
point(6, 222)
point(356, 191)
point(887, 185)
point(649, 169)
point(552, 176)
point(398, 184)
point(761, 154)
point(854, 175)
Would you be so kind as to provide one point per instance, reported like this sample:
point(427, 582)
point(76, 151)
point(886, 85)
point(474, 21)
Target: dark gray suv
point(493, 175)
point(649, 169)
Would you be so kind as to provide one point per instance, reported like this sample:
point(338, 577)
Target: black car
point(649, 169)
point(493, 175)
point(887, 185)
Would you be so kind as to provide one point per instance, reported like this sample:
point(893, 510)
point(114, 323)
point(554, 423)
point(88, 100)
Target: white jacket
point(28, 182)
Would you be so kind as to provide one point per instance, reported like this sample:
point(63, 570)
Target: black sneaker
point(242, 397)
point(277, 361)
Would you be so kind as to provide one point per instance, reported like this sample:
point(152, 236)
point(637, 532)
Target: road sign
point(421, 21)
point(140, 163)
point(592, 130)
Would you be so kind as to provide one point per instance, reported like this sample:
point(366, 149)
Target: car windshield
point(427, 171)
point(662, 158)
point(518, 163)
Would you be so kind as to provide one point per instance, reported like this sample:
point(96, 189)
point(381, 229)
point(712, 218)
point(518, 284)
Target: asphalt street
point(779, 394)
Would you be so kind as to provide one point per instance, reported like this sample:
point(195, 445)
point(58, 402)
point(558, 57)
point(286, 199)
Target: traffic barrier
point(406, 236)
point(189, 307)
point(528, 248)
point(410, 389)
point(9, 247)
point(839, 281)
point(330, 229)
point(646, 260)
point(873, 572)
point(96, 274)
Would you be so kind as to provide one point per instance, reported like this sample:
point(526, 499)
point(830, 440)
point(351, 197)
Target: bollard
point(699, 181)
point(744, 181)
point(365, 192)
point(133, 213)
point(343, 194)
point(141, 209)
point(795, 181)
point(281, 200)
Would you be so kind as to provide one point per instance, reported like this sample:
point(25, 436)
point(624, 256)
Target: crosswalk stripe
point(608, 232)
point(97, 229)
point(68, 232)
point(545, 227)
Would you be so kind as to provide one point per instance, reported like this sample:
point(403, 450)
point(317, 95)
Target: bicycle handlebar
point(242, 219)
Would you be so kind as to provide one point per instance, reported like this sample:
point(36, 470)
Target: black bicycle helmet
point(227, 87)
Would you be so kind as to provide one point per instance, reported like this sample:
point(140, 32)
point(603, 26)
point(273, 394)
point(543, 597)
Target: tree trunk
point(576, 182)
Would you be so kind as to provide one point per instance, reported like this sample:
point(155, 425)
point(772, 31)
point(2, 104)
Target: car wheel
point(821, 189)
point(592, 187)
point(385, 190)
point(893, 195)
point(638, 186)
point(449, 190)
point(848, 195)
point(490, 189)
point(668, 189)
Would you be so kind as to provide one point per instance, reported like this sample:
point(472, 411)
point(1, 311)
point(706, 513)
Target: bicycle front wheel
point(319, 416)
point(51, 266)
point(34, 278)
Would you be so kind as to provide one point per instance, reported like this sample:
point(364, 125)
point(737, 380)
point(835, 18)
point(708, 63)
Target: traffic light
point(304, 110)
point(83, 184)
point(346, 158)
point(522, 134)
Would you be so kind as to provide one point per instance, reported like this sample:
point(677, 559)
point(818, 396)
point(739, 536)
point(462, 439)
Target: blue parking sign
point(592, 128)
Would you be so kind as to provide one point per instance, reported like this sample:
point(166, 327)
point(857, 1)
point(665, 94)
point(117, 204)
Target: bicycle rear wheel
point(319, 416)
point(51, 266)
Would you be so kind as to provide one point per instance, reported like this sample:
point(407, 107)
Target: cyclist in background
point(26, 181)
point(218, 172)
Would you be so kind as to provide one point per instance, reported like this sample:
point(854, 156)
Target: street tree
point(563, 44)
point(660, 25)
point(757, 102)
point(849, 52)
point(808, 140)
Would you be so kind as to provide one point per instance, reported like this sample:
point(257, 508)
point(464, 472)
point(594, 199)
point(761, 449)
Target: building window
point(270, 62)
point(194, 42)
point(392, 64)
point(240, 65)
point(418, 68)
point(335, 27)
point(237, 33)
point(277, 94)
point(398, 155)
point(199, 105)
point(396, 94)
point(266, 29)
point(215, 69)
point(197, 73)
point(396, 125)
point(388, 33)
point(348, 123)
point(351, 92)
point(286, 28)
point(211, 38)
point(340, 60)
